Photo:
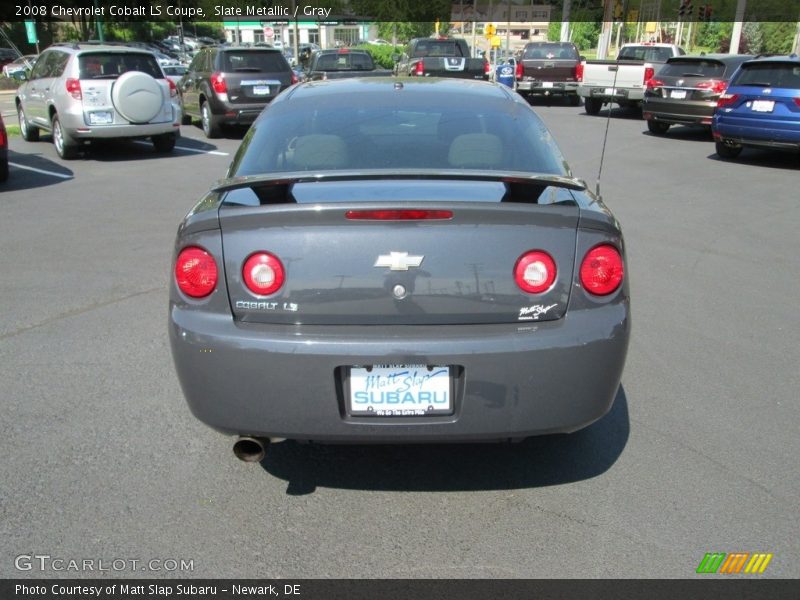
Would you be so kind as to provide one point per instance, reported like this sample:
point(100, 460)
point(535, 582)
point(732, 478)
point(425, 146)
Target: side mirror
point(582, 58)
point(23, 75)
point(395, 57)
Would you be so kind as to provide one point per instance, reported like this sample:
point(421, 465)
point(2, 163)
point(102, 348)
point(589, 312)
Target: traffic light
point(619, 10)
point(489, 30)
point(685, 9)
point(707, 12)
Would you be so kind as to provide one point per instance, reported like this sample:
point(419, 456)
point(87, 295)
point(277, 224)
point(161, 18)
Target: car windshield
point(693, 68)
point(769, 74)
point(647, 53)
point(436, 48)
point(561, 51)
point(262, 62)
point(110, 65)
point(374, 131)
point(345, 61)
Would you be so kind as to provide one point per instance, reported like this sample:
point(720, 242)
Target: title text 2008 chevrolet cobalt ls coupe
point(398, 262)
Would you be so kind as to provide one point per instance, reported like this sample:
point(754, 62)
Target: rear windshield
point(646, 53)
point(437, 48)
point(175, 70)
point(345, 61)
point(693, 68)
point(254, 62)
point(560, 51)
point(370, 131)
point(110, 65)
point(769, 74)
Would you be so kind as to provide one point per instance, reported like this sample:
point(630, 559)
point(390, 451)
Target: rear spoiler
point(290, 178)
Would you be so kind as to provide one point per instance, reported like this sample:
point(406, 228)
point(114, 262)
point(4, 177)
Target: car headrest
point(319, 151)
point(476, 151)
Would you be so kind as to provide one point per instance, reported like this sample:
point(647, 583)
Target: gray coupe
point(398, 262)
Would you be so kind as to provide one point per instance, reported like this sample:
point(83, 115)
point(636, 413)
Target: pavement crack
point(78, 311)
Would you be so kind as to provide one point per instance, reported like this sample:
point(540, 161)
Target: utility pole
point(605, 34)
point(565, 21)
point(736, 36)
point(796, 48)
point(474, 18)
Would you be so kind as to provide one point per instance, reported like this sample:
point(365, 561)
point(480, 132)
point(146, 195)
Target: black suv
point(231, 85)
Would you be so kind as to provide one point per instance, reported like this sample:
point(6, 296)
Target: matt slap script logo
point(734, 563)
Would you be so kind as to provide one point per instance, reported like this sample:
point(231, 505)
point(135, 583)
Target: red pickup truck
point(549, 68)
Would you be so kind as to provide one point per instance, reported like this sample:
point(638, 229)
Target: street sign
point(269, 32)
point(496, 41)
point(30, 29)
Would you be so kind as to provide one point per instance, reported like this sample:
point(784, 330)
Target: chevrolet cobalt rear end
point(398, 262)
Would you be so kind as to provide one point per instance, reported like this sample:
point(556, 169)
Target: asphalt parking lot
point(104, 460)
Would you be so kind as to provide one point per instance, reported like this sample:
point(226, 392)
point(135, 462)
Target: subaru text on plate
point(398, 261)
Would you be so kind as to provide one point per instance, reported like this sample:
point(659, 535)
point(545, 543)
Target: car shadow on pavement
point(632, 113)
point(23, 177)
point(535, 462)
point(127, 150)
point(684, 133)
point(755, 157)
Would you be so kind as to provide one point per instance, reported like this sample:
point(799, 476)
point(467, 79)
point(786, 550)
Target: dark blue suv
point(760, 108)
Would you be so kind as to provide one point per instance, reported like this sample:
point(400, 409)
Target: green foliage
point(404, 30)
point(778, 37)
point(584, 34)
point(382, 55)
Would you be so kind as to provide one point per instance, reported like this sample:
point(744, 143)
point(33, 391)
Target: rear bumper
point(782, 135)
point(547, 87)
point(76, 126)
point(609, 94)
point(238, 114)
point(516, 380)
point(678, 113)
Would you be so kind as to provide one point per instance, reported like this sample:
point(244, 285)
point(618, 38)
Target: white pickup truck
point(623, 80)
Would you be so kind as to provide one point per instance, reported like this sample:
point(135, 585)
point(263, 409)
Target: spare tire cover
point(137, 96)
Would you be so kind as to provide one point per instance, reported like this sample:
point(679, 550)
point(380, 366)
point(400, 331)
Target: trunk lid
point(344, 271)
point(255, 76)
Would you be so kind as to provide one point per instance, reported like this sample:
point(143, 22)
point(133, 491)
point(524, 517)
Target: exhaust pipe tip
point(249, 449)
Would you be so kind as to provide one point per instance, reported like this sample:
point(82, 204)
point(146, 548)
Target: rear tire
point(66, 147)
point(28, 132)
point(164, 143)
point(592, 106)
point(725, 151)
point(211, 128)
point(3, 169)
point(574, 100)
point(657, 127)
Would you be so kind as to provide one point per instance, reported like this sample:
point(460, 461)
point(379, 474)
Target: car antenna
point(605, 135)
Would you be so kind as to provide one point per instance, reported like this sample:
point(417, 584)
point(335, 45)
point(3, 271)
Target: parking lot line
point(198, 151)
point(52, 173)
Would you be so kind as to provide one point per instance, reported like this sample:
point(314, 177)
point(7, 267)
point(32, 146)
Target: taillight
point(419, 68)
point(74, 88)
point(726, 100)
point(648, 74)
point(218, 83)
point(173, 90)
point(520, 70)
point(602, 270)
point(797, 101)
point(714, 85)
point(263, 273)
point(195, 272)
point(654, 83)
point(579, 72)
point(487, 68)
point(294, 78)
point(3, 138)
point(399, 215)
point(535, 272)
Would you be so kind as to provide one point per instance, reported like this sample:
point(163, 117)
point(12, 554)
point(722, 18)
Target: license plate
point(547, 84)
point(678, 94)
point(610, 91)
point(400, 391)
point(763, 105)
point(100, 118)
point(261, 90)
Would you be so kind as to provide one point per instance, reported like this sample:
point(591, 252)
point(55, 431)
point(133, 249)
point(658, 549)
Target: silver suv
point(81, 91)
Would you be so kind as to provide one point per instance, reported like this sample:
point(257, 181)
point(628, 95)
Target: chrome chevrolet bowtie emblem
point(398, 261)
